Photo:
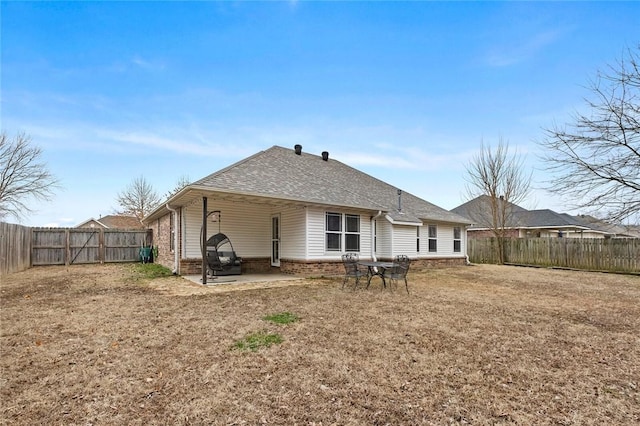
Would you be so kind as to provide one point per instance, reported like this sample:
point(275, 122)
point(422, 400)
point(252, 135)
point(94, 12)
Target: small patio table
point(376, 269)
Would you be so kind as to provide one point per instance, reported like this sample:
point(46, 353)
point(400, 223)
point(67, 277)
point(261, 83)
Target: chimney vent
point(325, 155)
point(298, 149)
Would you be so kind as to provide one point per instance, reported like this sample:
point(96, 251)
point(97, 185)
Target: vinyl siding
point(385, 238)
point(445, 240)
point(316, 232)
point(404, 240)
point(247, 226)
point(293, 233)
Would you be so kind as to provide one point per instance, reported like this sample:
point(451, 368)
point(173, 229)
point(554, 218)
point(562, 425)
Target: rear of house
point(297, 213)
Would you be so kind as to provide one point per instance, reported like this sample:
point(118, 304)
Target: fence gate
point(67, 246)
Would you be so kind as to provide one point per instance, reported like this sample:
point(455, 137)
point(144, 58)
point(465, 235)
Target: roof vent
point(325, 155)
point(298, 149)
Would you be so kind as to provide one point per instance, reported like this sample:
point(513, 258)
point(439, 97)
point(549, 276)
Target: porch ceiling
point(190, 196)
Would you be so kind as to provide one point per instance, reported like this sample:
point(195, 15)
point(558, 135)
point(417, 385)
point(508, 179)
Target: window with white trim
point(433, 238)
point(418, 239)
point(342, 231)
point(457, 240)
point(352, 232)
point(333, 230)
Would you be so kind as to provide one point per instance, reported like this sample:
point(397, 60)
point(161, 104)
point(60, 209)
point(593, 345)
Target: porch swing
point(221, 257)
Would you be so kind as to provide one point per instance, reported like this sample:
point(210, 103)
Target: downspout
point(372, 227)
point(175, 239)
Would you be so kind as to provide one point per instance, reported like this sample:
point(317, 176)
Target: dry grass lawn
point(470, 345)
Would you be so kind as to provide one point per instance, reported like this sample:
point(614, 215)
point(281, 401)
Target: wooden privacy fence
point(596, 254)
point(22, 247)
point(15, 248)
point(66, 246)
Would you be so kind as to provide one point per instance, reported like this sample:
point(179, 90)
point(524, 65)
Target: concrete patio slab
point(241, 279)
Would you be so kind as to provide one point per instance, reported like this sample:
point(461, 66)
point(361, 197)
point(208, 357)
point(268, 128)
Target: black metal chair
point(399, 271)
point(352, 269)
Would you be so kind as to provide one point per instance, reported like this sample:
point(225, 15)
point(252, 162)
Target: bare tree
point(595, 161)
point(23, 177)
point(499, 182)
point(182, 181)
point(138, 199)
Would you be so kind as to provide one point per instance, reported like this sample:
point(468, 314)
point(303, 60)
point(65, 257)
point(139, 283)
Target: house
point(113, 221)
point(521, 223)
point(297, 213)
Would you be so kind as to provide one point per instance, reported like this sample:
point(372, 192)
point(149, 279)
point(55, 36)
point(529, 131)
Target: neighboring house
point(523, 223)
point(113, 221)
point(298, 213)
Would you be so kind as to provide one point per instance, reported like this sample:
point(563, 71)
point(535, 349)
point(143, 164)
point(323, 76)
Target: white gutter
point(373, 250)
point(175, 239)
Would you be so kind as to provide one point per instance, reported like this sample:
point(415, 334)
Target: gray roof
point(280, 173)
point(478, 210)
point(546, 218)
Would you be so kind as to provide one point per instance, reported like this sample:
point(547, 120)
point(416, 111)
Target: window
point(333, 231)
point(352, 232)
point(335, 238)
point(457, 242)
point(433, 238)
point(418, 239)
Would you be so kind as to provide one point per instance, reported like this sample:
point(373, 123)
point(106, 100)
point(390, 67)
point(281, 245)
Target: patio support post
point(203, 243)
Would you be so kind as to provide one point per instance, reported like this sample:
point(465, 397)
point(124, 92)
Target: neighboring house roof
point(546, 218)
point(280, 173)
point(618, 230)
point(478, 208)
point(113, 221)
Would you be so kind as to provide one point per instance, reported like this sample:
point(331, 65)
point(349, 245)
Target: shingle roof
point(281, 173)
point(546, 218)
point(114, 221)
point(478, 210)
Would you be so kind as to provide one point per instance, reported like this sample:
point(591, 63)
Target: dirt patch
point(469, 345)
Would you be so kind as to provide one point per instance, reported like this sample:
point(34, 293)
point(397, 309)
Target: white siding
point(316, 234)
point(248, 226)
point(385, 238)
point(293, 233)
point(445, 240)
point(404, 240)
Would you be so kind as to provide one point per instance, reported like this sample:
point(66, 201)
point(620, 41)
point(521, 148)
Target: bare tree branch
point(138, 199)
point(23, 178)
point(595, 160)
point(182, 181)
point(499, 182)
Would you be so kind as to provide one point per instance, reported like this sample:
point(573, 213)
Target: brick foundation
point(256, 265)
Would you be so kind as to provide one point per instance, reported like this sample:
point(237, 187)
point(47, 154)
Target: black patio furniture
point(221, 257)
point(352, 269)
point(399, 271)
point(376, 269)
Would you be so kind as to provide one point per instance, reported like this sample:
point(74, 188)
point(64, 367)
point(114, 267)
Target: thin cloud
point(148, 65)
point(523, 50)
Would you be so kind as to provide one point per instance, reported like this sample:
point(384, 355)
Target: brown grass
point(470, 345)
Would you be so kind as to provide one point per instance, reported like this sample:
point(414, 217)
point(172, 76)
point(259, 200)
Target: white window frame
point(433, 238)
point(342, 232)
point(457, 240)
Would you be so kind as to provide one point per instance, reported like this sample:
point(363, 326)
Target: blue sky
point(404, 91)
